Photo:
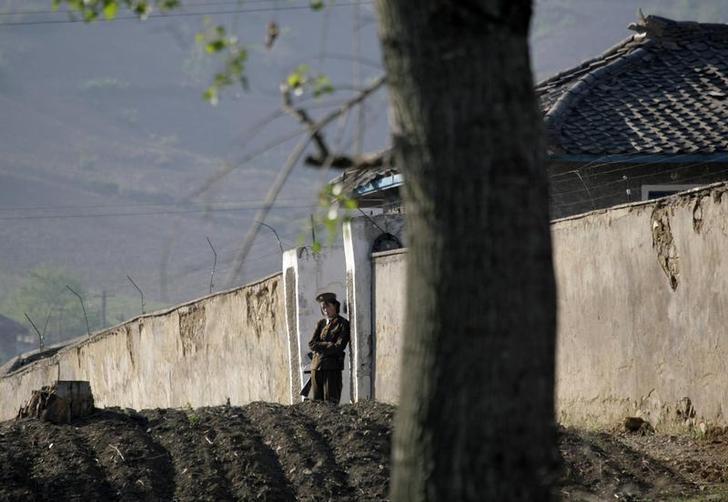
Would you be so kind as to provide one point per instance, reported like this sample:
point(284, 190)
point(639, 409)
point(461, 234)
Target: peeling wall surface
point(230, 345)
point(643, 312)
point(389, 294)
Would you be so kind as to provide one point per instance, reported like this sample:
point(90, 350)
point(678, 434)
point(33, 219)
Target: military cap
point(327, 297)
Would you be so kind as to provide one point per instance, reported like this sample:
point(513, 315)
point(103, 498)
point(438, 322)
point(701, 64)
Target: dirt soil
point(644, 466)
point(309, 451)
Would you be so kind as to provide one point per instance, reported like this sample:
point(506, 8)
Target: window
point(656, 191)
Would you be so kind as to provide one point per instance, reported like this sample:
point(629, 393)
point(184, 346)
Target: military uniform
point(328, 343)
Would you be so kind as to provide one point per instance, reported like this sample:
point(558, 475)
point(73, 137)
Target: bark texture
point(476, 418)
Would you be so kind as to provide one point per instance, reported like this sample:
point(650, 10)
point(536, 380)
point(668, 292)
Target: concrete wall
point(643, 304)
point(643, 312)
point(228, 345)
point(306, 275)
point(359, 236)
point(389, 288)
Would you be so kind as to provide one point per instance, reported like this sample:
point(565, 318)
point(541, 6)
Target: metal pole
point(40, 337)
point(313, 231)
point(138, 289)
point(214, 263)
point(103, 308)
point(88, 329)
point(274, 233)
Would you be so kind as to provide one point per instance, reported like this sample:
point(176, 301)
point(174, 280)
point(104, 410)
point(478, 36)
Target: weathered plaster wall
point(359, 236)
point(643, 312)
point(228, 345)
point(389, 287)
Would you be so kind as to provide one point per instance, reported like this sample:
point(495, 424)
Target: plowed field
point(309, 451)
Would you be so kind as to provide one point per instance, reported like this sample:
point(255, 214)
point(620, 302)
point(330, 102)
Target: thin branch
point(270, 198)
point(231, 167)
point(371, 160)
point(347, 57)
point(356, 77)
point(302, 116)
point(324, 155)
point(314, 129)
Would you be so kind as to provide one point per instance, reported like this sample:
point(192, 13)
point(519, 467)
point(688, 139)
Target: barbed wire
point(626, 168)
point(635, 177)
point(621, 192)
point(627, 164)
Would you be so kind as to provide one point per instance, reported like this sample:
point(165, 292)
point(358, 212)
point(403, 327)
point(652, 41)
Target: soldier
point(328, 343)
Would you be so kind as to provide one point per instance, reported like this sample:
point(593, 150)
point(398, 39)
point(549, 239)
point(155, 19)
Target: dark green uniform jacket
point(328, 343)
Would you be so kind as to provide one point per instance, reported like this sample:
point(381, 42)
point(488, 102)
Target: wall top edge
point(672, 200)
point(391, 252)
point(163, 312)
point(80, 341)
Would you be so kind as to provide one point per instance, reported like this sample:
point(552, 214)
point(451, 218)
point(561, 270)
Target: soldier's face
point(328, 309)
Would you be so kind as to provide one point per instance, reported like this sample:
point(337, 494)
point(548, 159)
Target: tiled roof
point(663, 90)
point(354, 178)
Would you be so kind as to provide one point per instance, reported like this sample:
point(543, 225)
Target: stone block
point(60, 403)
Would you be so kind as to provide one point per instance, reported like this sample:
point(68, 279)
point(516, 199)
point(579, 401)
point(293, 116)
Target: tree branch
point(324, 156)
point(260, 216)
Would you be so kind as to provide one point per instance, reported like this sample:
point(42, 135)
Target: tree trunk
point(476, 414)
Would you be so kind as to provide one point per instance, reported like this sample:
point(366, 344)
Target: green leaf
point(211, 96)
point(317, 4)
point(111, 10)
point(316, 247)
point(142, 9)
point(322, 85)
point(294, 80)
point(165, 5)
point(298, 77)
point(215, 46)
point(55, 5)
point(89, 15)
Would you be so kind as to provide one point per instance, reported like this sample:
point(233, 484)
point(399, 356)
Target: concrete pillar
point(359, 236)
point(305, 275)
